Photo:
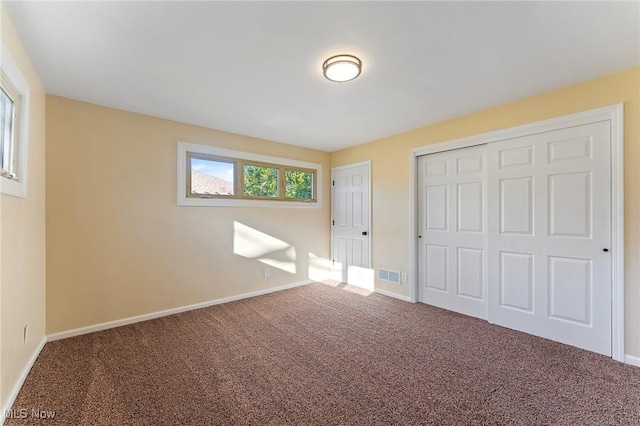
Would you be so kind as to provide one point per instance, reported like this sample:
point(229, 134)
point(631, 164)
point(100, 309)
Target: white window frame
point(183, 200)
point(17, 186)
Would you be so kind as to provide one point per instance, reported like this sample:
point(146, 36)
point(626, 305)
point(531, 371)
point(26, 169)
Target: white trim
point(614, 114)
point(577, 119)
point(352, 165)
point(617, 233)
point(13, 394)
point(632, 360)
point(167, 312)
point(392, 294)
point(183, 200)
point(349, 166)
point(17, 187)
point(413, 232)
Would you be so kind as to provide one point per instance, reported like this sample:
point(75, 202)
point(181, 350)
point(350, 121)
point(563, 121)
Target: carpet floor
point(323, 355)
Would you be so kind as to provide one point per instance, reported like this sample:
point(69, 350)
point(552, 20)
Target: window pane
point(6, 128)
point(260, 181)
point(212, 177)
point(298, 184)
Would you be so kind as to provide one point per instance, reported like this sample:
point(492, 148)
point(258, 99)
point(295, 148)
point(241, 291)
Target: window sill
point(218, 202)
point(13, 187)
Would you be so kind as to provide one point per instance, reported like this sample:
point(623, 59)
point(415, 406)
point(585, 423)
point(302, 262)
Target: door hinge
point(333, 222)
point(333, 183)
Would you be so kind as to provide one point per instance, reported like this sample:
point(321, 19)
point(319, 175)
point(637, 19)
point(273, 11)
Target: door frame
point(612, 113)
point(349, 166)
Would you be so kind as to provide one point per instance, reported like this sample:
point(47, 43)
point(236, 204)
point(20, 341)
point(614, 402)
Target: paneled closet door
point(350, 223)
point(452, 230)
point(549, 211)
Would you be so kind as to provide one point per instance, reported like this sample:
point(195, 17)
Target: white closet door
point(549, 208)
point(452, 229)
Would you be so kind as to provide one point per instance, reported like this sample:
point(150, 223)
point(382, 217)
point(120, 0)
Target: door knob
point(605, 250)
point(364, 232)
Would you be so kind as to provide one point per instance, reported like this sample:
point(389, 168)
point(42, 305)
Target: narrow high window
point(220, 177)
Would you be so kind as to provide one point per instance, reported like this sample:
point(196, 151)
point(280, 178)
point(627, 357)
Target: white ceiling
point(254, 68)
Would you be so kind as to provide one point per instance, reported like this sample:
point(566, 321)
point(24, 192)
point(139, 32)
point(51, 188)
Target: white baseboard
point(632, 360)
point(159, 314)
point(18, 384)
point(394, 295)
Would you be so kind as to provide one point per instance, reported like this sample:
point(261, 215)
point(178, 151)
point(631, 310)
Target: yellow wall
point(22, 235)
point(391, 178)
point(119, 246)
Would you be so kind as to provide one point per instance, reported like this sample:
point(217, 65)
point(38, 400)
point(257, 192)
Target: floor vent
point(388, 275)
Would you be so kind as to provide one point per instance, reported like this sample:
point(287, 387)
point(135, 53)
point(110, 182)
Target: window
point(298, 184)
point(7, 106)
point(260, 181)
point(211, 176)
point(14, 109)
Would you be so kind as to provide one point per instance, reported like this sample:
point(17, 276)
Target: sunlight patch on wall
point(319, 268)
point(253, 244)
point(284, 260)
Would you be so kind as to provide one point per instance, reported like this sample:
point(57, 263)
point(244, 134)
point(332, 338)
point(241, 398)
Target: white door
point(350, 240)
point(549, 208)
point(452, 230)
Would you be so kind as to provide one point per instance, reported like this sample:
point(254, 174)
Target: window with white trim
point(210, 176)
point(14, 110)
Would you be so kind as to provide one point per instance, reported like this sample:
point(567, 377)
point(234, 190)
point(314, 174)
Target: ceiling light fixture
point(341, 68)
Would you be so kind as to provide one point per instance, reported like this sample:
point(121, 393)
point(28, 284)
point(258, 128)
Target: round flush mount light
point(341, 68)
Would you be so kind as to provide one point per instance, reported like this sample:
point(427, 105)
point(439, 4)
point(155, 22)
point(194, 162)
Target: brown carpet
point(328, 356)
